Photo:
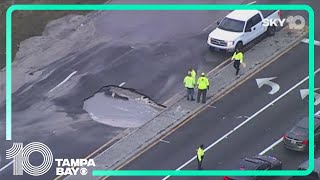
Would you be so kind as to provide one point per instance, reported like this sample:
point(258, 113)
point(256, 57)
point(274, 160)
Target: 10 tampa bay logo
point(21, 161)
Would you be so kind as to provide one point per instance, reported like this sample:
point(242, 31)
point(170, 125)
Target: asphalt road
point(251, 138)
point(160, 155)
point(145, 56)
point(149, 58)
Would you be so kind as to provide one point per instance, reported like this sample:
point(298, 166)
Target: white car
point(240, 27)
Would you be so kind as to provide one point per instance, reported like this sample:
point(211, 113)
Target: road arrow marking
point(305, 92)
point(244, 122)
point(262, 81)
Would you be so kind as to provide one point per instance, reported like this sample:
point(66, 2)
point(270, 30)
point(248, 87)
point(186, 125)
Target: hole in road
point(121, 107)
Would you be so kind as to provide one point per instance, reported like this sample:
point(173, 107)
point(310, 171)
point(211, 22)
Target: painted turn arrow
point(262, 81)
point(305, 92)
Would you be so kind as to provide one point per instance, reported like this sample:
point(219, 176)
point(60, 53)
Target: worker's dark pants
point(203, 93)
point(236, 65)
point(190, 93)
point(199, 164)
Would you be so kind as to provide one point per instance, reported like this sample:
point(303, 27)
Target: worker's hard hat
point(202, 74)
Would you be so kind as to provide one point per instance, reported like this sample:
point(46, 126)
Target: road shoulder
point(182, 111)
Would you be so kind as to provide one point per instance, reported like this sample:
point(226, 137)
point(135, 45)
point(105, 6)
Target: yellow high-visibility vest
point(200, 153)
point(193, 74)
point(189, 82)
point(237, 56)
point(203, 83)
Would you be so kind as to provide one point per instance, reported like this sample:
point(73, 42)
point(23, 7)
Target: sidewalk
point(257, 57)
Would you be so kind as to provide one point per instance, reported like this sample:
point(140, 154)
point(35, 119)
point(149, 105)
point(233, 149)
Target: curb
point(178, 122)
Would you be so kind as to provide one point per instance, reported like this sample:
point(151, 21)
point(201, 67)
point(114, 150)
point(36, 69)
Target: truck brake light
point(305, 142)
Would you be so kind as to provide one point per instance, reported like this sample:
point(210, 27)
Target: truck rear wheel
point(271, 30)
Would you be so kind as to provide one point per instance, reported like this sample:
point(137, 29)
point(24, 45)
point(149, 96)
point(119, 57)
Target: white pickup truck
point(240, 27)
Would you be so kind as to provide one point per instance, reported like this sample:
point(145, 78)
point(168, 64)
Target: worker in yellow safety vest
point(200, 155)
point(189, 83)
point(203, 86)
point(193, 73)
point(238, 59)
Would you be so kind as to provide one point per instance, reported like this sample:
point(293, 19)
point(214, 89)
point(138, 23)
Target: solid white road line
point(270, 147)
point(253, 2)
point(4, 167)
point(63, 81)
point(212, 106)
point(276, 143)
point(165, 141)
point(205, 29)
point(123, 83)
point(305, 40)
point(246, 121)
point(120, 85)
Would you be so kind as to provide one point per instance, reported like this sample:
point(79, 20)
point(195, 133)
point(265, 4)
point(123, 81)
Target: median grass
point(27, 24)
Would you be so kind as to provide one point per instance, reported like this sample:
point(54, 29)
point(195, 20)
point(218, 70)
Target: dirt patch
point(27, 24)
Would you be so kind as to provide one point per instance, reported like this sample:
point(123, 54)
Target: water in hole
point(118, 112)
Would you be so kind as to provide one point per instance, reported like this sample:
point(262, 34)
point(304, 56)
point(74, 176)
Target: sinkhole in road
point(121, 107)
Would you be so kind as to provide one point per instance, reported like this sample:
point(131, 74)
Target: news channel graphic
point(20, 160)
point(294, 22)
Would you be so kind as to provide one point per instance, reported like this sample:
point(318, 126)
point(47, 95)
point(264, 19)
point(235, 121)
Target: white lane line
point(215, 22)
point(205, 29)
point(212, 106)
point(165, 141)
point(246, 121)
point(123, 83)
point(253, 2)
point(120, 85)
point(275, 143)
point(305, 40)
point(4, 167)
point(63, 81)
point(270, 147)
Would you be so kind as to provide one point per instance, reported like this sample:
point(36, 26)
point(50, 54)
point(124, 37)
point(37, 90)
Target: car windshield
point(233, 25)
point(299, 131)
